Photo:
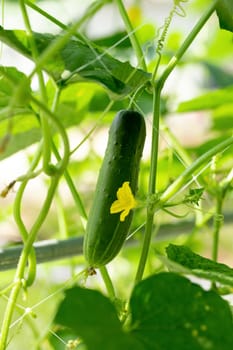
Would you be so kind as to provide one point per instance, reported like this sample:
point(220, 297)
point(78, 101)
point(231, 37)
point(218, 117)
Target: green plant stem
point(18, 219)
point(218, 220)
point(155, 137)
point(222, 189)
point(70, 183)
point(151, 190)
point(132, 35)
point(19, 275)
point(45, 14)
point(65, 159)
point(146, 245)
point(43, 94)
point(108, 282)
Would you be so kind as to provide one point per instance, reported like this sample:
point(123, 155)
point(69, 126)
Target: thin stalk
point(146, 245)
point(132, 35)
point(69, 181)
point(108, 282)
point(19, 275)
point(151, 190)
point(71, 185)
point(59, 126)
point(224, 187)
point(44, 121)
point(218, 220)
point(155, 136)
point(45, 14)
point(18, 219)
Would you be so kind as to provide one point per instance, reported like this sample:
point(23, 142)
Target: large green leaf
point(78, 61)
point(93, 317)
point(170, 312)
point(199, 265)
point(225, 14)
point(167, 312)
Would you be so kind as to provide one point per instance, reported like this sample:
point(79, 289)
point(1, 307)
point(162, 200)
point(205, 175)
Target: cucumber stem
point(108, 282)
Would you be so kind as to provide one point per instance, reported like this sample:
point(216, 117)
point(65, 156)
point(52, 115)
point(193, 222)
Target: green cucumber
point(105, 233)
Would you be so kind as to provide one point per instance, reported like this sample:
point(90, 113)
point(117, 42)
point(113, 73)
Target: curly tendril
point(178, 10)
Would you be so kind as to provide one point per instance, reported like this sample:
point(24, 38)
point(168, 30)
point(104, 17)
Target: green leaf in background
point(13, 101)
point(200, 266)
point(224, 11)
point(205, 146)
point(218, 77)
point(94, 318)
point(222, 118)
point(170, 312)
point(121, 38)
point(19, 141)
point(209, 100)
point(78, 61)
point(25, 128)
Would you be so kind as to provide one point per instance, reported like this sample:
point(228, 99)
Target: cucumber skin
point(105, 234)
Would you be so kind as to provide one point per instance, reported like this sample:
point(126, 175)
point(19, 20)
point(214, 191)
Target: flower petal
point(124, 214)
point(125, 201)
point(116, 207)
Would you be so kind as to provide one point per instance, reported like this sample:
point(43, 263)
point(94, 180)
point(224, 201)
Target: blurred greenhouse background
point(207, 66)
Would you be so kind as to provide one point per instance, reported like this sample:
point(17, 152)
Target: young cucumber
point(105, 233)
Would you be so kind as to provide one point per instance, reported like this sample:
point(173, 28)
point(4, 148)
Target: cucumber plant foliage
point(167, 311)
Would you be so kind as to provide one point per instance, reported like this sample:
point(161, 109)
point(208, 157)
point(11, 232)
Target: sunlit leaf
point(200, 265)
point(78, 61)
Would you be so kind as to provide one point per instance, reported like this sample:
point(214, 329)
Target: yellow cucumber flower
point(125, 201)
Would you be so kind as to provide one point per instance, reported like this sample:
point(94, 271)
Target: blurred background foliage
point(197, 110)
